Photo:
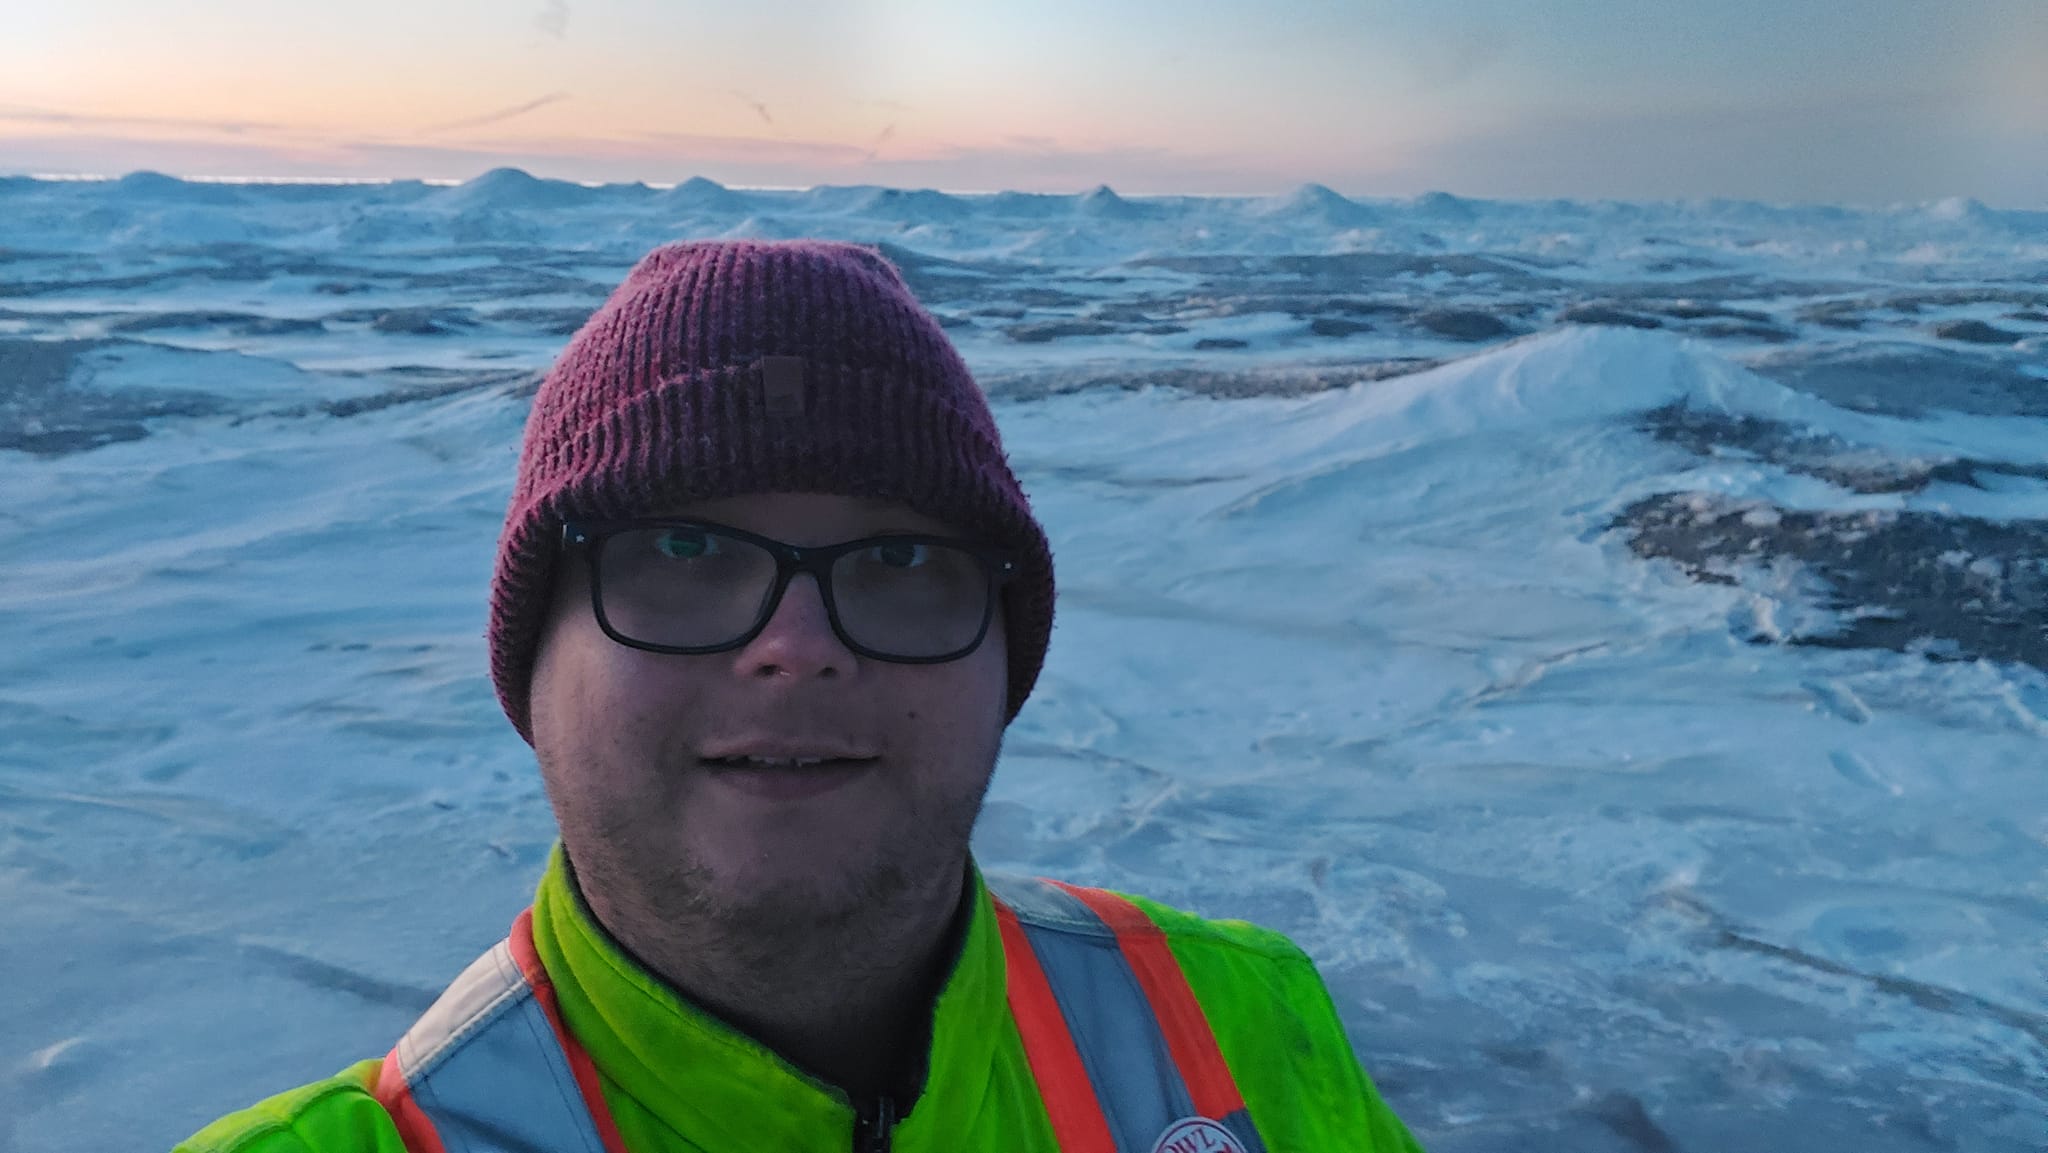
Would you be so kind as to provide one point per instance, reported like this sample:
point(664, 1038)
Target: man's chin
point(764, 900)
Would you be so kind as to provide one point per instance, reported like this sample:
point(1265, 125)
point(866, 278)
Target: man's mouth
point(789, 778)
point(749, 761)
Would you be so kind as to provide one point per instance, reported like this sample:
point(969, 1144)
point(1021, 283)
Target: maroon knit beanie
point(728, 367)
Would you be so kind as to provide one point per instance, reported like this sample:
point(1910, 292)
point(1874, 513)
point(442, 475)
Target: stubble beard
point(738, 941)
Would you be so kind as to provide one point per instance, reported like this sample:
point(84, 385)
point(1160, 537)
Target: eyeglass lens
point(684, 587)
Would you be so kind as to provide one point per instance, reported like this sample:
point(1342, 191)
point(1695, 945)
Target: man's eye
point(685, 544)
point(900, 554)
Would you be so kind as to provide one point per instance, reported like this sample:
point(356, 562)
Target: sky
point(1860, 101)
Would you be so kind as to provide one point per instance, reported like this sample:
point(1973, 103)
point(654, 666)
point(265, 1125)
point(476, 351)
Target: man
point(767, 595)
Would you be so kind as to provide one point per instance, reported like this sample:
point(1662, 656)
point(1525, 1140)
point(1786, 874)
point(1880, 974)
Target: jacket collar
point(720, 1089)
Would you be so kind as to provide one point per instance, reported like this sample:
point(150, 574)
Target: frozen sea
point(1609, 637)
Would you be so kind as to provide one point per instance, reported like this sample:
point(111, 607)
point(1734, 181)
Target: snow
point(1594, 851)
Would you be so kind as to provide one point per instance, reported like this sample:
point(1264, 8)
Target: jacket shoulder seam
point(1184, 927)
point(1180, 927)
point(505, 1002)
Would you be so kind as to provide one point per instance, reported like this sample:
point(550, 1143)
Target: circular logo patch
point(1197, 1135)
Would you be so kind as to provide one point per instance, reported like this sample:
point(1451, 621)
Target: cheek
point(601, 720)
point(570, 683)
point(957, 706)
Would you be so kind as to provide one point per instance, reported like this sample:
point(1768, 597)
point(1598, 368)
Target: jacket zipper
point(873, 1124)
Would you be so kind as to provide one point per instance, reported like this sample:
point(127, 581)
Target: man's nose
point(798, 640)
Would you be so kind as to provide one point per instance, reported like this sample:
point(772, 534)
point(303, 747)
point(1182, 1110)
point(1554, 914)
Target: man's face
point(623, 738)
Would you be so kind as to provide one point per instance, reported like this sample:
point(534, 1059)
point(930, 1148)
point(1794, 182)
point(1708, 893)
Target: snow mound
point(1028, 205)
point(910, 205)
point(1102, 202)
point(1444, 206)
point(698, 194)
point(1317, 204)
point(513, 188)
point(834, 199)
point(1567, 375)
point(154, 188)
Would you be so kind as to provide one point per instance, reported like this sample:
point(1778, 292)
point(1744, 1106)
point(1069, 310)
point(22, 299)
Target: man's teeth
point(774, 762)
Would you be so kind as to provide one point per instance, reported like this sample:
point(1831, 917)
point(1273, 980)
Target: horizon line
point(456, 182)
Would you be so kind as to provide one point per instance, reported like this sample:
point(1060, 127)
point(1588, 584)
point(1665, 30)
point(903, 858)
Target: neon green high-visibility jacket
point(672, 1077)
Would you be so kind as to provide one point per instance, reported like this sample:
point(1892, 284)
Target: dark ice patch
point(1730, 330)
point(1038, 297)
point(1463, 323)
point(1606, 314)
point(1947, 587)
point(174, 265)
point(1692, 310)
point(1713, 433)
point(552, 321)
point(436, 384)
point(1125, 312)
point(1898, 379)
point(1913, 302)
point(518, 273)
point(1343, 271)
point(239, 323)
point(1974, 332)
point(1848, 315)
point(1623, 1114)
point(1277, 380)
point(1669, 264)
point(1208, 303)
point(421, 321)
point(43, 412)
point(1046, 330)
point(1337, 326)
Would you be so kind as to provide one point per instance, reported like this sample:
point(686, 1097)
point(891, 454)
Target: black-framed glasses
point(686, 586)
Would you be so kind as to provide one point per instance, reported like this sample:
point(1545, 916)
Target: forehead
point(809, 518)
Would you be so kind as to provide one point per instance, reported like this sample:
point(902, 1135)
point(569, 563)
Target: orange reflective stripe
point(1186, 1027)
point(414, 1128)
point(528, 960)
point(1078, 1125)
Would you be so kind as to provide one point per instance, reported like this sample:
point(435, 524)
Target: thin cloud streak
point(501, 115)
point(875, 146)
point(756, 105)
point(20, 114)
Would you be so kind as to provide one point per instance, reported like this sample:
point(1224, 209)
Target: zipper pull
point(872, 1127)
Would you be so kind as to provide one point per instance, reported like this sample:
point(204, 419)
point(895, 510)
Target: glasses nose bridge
point(793, 561)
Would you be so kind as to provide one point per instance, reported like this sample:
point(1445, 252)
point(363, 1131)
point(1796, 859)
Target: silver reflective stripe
point(1136, 1082)
point(486, 1068)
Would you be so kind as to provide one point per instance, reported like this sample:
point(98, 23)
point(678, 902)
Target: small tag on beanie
point(782, 385)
